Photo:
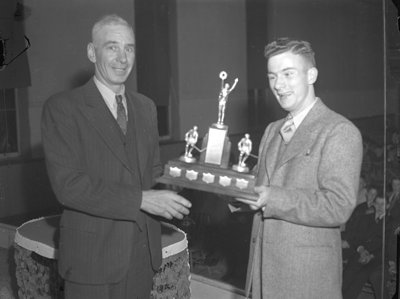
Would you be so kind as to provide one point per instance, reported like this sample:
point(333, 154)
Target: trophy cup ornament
point(211, 172)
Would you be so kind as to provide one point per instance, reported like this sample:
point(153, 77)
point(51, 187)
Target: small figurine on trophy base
point(191, 138)
point(245, 147)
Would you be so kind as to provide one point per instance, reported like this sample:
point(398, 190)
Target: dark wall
point(347, 37)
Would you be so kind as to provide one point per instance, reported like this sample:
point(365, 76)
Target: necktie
point(121, 114)
point(288, 129)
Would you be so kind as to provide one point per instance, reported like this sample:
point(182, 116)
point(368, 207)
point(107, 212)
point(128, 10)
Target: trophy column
point(217, 146)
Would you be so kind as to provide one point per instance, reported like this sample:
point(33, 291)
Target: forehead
point(115, 33)
point(286, 60)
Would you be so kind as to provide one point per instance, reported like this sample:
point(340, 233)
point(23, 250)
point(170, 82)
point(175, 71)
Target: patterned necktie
point(288, 129)
point(121, 114)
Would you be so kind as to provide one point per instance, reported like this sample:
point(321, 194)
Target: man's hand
point(364, 256)
point(261, 202)
point(165, 203)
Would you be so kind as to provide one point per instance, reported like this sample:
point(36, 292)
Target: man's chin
point(120, 79)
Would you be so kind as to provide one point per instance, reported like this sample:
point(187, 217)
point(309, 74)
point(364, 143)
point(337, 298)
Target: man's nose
point(280, 82)
point(122, 56)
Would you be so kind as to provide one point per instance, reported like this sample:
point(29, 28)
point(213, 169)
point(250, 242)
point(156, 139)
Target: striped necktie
point(121, 114)
point(288, 129)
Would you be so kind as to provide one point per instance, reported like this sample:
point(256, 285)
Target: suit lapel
point(274, 149)
point(98, 114)
point(268, 155)
point(135, 123)
point(304, 135)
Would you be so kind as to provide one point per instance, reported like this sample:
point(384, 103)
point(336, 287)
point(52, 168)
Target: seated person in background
point(392, 228)
point(393, 219)
point(362, 248)
point(364, 204)
point(394, 199)
point(362, 191)
point(361, 201)
point(372, 194)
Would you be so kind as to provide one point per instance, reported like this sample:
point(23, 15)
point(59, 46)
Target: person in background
point(102, 155)
point(307, 180)
point(392, 223)
point(363, 237)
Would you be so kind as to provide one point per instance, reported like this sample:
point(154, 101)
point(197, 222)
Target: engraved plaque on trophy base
point(209, 178)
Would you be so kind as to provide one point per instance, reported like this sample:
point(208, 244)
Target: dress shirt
point(297, 119)
point(109, 97)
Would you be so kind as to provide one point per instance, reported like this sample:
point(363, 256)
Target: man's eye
point(130, 49)
point(113, 48)
point(289, 74)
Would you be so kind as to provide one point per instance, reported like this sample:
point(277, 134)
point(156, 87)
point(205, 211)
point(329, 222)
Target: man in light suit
point(102, 155)
point(308, 176)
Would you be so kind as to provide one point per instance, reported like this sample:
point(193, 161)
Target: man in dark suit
point(102, 155)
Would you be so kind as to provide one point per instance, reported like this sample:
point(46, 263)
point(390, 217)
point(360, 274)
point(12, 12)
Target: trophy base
point(209, 178)
point(188, 159)
point(240, 168)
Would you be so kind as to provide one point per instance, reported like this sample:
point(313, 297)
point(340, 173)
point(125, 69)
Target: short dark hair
point(285, 44)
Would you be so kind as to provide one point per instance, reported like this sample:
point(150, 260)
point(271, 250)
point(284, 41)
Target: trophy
point(191, 138)
point(245, 145)
point(211, 172)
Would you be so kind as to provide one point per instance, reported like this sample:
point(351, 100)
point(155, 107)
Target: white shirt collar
point(297, 119)
point(109, 96)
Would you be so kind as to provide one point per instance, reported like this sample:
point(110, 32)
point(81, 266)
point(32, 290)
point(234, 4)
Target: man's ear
point(312, 74)
point(91, 52)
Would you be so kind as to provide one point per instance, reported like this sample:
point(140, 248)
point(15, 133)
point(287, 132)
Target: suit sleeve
point(330, 200)
point(71, 182)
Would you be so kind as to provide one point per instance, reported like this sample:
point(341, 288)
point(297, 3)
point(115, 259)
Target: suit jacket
point(314, 183)
point(98, 175)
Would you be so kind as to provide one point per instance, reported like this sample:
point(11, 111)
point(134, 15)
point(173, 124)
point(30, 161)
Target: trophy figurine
point(223, 97)
point(191, 138)
point(245, 147)
point(216, 143)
